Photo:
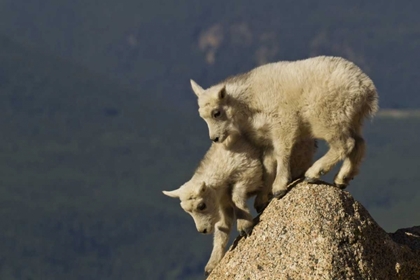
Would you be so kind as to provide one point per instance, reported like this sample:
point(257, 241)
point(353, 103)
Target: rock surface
point(321, 232)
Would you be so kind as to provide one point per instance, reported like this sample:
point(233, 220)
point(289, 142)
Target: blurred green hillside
point(98, 119)
point(156, 46)
point(83, 162)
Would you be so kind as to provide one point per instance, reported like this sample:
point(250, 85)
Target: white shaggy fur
point(278, 104)
point(222, 183)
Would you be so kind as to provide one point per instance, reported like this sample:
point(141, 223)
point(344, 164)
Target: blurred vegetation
point(97, 120)
point(156, 46)
point(83, 162)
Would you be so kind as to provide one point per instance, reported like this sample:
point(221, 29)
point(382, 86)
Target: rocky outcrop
point(320, 232)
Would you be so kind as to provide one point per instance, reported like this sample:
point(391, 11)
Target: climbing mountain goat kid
point(277, 104)
point(222, 183)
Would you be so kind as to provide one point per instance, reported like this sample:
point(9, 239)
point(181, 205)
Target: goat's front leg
point(269, 173)
point(282, 151)
point(244, 219)
point(221, 238)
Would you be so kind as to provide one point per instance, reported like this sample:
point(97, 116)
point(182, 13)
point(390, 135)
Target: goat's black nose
point(204, 231)
point(215, 140)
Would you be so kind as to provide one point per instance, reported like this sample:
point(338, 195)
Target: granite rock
point(318, 231)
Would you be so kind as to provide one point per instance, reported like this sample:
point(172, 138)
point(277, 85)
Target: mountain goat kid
point(278, 104)
point(222, 183)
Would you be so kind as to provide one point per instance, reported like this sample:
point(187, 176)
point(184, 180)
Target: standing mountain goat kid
point(278, 104)
point(222, 183)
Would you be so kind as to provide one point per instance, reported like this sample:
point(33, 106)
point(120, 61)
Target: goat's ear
point(196, 88)
point(221, 92)
point(175, 193)
point(202, 188)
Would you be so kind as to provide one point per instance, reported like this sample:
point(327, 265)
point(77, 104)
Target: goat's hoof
point(342, 183)
point(341, 186)
point(311, 180)
point(208, 270)
point(279, 194)
point(245, 227)
point(260, 208)
point(246, 232)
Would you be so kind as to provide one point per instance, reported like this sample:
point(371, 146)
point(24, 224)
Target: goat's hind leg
point(351, 163)
point(340, 147)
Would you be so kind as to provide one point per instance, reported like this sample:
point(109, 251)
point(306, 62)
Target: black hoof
point(280, 194)
point(341, 186)
point(246, 232)
point(260, 208)
point(311, 180)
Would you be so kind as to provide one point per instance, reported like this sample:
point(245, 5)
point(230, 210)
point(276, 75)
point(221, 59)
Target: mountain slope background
point(156, 46)
point(98, 118)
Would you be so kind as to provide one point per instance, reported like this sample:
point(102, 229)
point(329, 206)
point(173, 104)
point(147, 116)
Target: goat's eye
point(201, 206)
point(216, 113)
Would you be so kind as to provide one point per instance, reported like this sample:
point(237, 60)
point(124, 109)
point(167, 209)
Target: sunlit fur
point(277, 104)
point(225, 179)
point(301, 159)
